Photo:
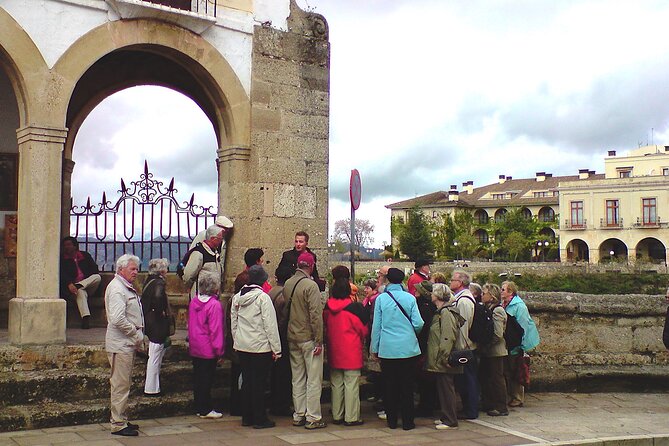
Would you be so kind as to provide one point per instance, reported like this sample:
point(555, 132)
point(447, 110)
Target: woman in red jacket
point(346, 328)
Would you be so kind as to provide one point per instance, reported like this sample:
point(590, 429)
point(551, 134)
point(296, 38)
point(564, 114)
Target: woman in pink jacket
point(205, 340)
point(346, 325)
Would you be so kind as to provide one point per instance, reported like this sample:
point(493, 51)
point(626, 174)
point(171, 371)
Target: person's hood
point(201, 301)
point(248, 294)
point(337, 305)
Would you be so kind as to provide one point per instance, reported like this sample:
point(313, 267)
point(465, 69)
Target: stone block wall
point(282, 186)
point(591, 342)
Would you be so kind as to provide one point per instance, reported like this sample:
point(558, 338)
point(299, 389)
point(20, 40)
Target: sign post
point(355, 192)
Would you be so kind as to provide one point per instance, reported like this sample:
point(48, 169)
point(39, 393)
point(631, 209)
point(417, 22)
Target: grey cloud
point(617, 112)
point(194, 166)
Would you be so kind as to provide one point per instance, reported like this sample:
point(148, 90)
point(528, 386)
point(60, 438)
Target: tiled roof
point(520, 187)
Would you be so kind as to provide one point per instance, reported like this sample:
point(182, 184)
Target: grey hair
point(442, 292)
point(208, 283)
point(212, 231)
point(123, 261)
point(494, 291)
point(464, 277)
point(477, 288)
point(158, 265)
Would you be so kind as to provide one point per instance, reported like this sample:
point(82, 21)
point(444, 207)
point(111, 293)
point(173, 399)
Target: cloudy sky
point(428, 93)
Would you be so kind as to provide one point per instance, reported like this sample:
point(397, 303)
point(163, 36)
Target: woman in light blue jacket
point(515, 307)
point(397, 322)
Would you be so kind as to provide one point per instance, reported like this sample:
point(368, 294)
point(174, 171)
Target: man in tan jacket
point(305, 342)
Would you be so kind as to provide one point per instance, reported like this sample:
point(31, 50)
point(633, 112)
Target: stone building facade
point(258, 69)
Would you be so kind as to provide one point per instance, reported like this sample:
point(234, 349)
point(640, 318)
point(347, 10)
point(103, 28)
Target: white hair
point(158, 265)
point(463, 276)
point(208, 283)
point(212, 231)
point(123, 261)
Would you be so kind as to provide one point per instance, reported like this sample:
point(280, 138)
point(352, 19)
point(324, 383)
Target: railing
point(146, 220)
point(604, 224)
point(575, 225)
point(206, 7)
point(652, 224)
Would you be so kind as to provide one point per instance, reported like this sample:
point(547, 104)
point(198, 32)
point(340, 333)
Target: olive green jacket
point(441, 341)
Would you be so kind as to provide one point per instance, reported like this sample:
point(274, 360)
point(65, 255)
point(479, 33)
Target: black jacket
point(665, 333)
point(68, 272)
point(289, 259)
point(156, 309)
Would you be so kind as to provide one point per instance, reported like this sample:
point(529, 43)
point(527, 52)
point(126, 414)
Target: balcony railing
point(575, 226)
point(651, 224)
point(604, 224)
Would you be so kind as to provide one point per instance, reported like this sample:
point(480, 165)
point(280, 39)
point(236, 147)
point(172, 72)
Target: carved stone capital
point(41, 134)
point(227, 154)
point(307, 23)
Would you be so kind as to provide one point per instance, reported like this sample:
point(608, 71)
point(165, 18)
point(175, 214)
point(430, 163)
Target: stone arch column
point(37, 314)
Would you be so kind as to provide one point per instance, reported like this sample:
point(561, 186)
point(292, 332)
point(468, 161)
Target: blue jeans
point(467, 385)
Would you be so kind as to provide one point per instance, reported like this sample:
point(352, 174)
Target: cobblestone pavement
point(547, 417)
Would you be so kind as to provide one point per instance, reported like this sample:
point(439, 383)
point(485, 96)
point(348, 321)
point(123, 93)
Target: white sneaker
point(382, 415)
point(444, 427)
point(213, 415)
point(437, 422)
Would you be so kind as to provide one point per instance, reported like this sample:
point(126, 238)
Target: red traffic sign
point(355, 189)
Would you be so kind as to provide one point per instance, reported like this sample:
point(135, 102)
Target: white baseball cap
point(223, 222)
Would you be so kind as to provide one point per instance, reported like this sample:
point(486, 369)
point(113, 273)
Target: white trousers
point(88, 286)
point(152, 382)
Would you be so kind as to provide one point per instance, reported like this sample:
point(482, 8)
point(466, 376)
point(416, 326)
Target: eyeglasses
point(456, 280)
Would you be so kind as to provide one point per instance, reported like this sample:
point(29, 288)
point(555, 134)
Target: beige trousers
point(88, 286)
point(345, 394)
point(515, 390)
point(307, 371)
point(121, 377)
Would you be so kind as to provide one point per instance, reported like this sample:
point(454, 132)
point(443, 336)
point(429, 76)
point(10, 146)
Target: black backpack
point(184, 260)
point(513, 334)
point(483, 326)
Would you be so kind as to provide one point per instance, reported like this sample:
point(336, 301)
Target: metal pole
point(352, 244)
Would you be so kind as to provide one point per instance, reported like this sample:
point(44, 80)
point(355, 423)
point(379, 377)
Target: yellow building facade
point(622, 217)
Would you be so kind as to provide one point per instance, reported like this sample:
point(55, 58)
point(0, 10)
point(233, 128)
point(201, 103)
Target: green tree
point(444, 232)
point(516, 244)
point(415, 239)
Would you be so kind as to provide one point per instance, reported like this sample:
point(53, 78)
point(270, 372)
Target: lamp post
point(539, 245)
point(543, 253)
point(612, 253)
point(455, 243)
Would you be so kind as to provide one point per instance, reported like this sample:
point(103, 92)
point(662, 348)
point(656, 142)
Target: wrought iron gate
point(146, 220)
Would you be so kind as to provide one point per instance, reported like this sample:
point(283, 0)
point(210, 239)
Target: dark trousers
point(203, 378)
point(235, 390)
point(447, 402)
point(467, 385)
point(493, 384)
point(399, 375)
point(255, 368)
point(281, 384)
point(427, 392)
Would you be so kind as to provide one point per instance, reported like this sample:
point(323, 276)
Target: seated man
point(79, 277)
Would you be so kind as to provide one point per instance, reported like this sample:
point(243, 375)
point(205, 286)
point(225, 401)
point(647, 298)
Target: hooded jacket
point(346, 329)
point(253, 322)
point(205, 327)
point(444, 330)
point(517, 308)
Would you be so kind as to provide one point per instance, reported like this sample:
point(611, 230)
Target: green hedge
point(592, 283)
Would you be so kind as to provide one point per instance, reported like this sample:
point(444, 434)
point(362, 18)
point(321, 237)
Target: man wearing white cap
point(222, 222)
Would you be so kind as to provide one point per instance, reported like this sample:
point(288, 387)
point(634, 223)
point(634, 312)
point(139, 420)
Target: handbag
point(524, 369)
point(458, 358)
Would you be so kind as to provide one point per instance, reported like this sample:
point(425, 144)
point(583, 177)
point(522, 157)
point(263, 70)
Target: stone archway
point(578, 251)
point(613, 250)
point(651, 250)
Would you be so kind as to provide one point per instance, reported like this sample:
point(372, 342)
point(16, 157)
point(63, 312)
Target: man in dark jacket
point(79, 277)
point(289, 258)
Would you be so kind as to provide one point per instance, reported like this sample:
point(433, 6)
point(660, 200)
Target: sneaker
point(437, 422)
point(382, 415)
point(266, 424)
point(300, 422)
point(213, 415)
point(315, 424)
point(498, 413)
point(372, 399)
point(354, 423)
point(444, 427)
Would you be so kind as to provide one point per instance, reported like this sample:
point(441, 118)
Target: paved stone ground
point(547, 417)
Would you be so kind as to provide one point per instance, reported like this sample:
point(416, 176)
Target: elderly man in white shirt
point(125, 335)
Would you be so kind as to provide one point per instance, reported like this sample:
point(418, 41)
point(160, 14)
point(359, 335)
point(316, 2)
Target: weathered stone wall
point(513, 267)
point(595, 342)
point(283, 187)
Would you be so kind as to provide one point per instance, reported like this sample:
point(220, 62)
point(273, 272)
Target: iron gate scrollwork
point(146, 220)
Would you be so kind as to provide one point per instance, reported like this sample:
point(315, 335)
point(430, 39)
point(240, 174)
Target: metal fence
point(146, 220)
point(206, 7)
